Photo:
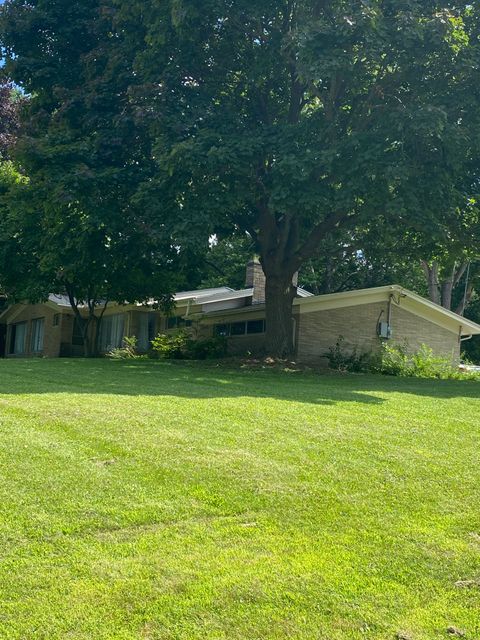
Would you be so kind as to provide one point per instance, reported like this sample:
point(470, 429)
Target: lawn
point(149, 500)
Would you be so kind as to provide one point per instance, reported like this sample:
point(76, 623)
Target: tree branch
point(317, 235)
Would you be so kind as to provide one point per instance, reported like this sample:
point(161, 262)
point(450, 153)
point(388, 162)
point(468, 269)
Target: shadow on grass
point(211, 380)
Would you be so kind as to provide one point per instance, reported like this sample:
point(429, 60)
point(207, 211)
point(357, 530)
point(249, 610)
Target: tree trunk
point(431, 274)
point(280, 293)
point(89, 341)
point(447, 291)
point(466, 298)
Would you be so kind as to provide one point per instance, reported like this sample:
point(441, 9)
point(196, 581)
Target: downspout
point(465, 338)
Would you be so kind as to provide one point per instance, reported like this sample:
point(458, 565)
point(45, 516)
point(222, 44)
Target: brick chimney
point(256, 280)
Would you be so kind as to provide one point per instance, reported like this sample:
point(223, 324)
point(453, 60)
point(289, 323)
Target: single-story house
point(365, 318)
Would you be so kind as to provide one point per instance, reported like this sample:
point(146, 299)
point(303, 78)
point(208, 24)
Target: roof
point(303, 293)
point(201, 293)
point(62, 301)
point(224, 296)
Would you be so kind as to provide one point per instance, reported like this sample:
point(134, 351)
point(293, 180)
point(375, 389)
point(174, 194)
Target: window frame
point(224, 329)
point(37, 337)
point(13, 338)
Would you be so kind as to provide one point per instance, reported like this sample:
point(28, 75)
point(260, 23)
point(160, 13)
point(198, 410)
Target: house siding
point(320, 330)
point(315, 331)
point(53, 335)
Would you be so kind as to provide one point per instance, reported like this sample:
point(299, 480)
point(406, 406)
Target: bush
point(424, 363)
point(172, 346)
point(128, 350)
point(397, 360)
point(353, 361)
point(206, 348)
point(182, 345)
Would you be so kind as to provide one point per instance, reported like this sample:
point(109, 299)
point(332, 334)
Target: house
point(365, 318)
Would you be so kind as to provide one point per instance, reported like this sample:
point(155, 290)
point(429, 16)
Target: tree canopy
point(71, 226)
point(306, 124)
point(301, 121)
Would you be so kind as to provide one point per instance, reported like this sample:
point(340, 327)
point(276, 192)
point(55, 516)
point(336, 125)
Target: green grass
point(147, 500)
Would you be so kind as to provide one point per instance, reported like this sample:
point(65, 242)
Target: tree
point(73, 227)
point(301, 121)
point(224, 263)
point(10, 101)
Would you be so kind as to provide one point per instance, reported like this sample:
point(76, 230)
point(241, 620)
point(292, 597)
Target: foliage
point(342, 359)
point(182, 345)
point(74, 224)
point(10, 103)
point(208, 348)
point(361, 264)
point(398, 360)
point(304, 123)
point(308, 125)
point(216, 503)
point(171, 346)
point(472, 346)
point(225, 262)
point(127, 351)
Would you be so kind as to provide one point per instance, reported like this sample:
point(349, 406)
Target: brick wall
point(54, 335)
point(255, 278)
point(319, 330)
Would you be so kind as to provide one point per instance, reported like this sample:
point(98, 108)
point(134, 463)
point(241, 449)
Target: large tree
point(10, 102)
point(300, 120)
point(72, 225)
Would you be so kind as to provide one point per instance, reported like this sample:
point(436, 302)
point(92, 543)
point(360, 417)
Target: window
point(256, 326)
point(240, 328)
point(222, 330)
point(177, 322)
point(36, 337)
point(17, 338)
point(146, 330)
point(237, 328)
point(111, 332)
point(56, 320)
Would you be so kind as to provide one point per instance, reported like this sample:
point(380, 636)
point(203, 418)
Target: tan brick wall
point(319, 330)
point(417, 331)
point(53, 335)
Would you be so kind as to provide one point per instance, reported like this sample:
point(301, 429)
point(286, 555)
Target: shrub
point(206, 348)
point(342, 360)
point(172, 346)
point(424, 363)
point(182, 345)
point(397, 360)
point(128, 350)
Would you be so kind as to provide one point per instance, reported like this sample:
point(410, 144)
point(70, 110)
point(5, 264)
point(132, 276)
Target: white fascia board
point(438, 315)
point(345, 299)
